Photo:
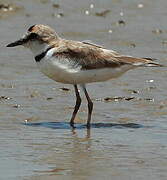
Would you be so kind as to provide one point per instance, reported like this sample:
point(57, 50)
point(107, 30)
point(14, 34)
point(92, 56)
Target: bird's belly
point(98, 75)
point(69, 74)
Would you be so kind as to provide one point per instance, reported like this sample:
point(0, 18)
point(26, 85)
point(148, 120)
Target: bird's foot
point(88, 125)
point(72, 124)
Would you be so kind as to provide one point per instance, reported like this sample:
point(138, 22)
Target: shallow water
point(128, 136)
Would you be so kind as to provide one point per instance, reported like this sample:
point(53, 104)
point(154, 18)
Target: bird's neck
point(40, 56)
point(38, 48)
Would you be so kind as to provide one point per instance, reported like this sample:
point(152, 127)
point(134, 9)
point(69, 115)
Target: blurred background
point(36, 141)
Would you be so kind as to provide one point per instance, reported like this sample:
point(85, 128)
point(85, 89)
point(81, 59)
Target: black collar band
point(42, 55)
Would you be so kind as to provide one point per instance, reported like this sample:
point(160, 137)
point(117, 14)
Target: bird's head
point(37, 38)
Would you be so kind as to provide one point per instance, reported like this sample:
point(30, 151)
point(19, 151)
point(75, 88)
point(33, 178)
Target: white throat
point(37, 48)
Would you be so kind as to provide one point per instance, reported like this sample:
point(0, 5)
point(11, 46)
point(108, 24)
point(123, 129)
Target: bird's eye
point(33, 36)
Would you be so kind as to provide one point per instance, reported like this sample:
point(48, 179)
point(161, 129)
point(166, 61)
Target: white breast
point(60, 70)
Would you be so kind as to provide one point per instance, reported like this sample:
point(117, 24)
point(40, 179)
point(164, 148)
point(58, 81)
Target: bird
point(76, 62)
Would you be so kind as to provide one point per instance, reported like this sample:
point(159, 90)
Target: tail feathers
point(150, 63)
point(151, 59)
point(146, 62)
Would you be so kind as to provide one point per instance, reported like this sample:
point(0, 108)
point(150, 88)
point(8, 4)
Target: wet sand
point(128, 137)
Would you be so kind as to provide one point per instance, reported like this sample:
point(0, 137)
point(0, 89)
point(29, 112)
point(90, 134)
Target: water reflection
point(81, 153)
point(73, 156)
point(87, 136)
point(76, 153)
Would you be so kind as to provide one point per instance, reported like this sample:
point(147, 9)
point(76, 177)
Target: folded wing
point(91, 56)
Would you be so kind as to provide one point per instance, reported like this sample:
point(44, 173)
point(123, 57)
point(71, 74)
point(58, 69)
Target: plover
point(76, 63)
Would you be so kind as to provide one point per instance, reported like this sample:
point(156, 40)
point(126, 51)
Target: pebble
point(91, 6)
point(16, 106)
point(157, 31)
point(64, 89)
point(150, 81)
point(103, 13)
point(121, 22)
point(4, 97)
point(121, 13)
point(140, 5)
point(56, 5)
point(110, 31)
point(87, 12)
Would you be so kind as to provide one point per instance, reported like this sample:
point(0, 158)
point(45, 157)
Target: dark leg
point(90, 106)
point(77, 105)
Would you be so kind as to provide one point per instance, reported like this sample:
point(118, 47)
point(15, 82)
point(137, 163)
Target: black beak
point(17, 43)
